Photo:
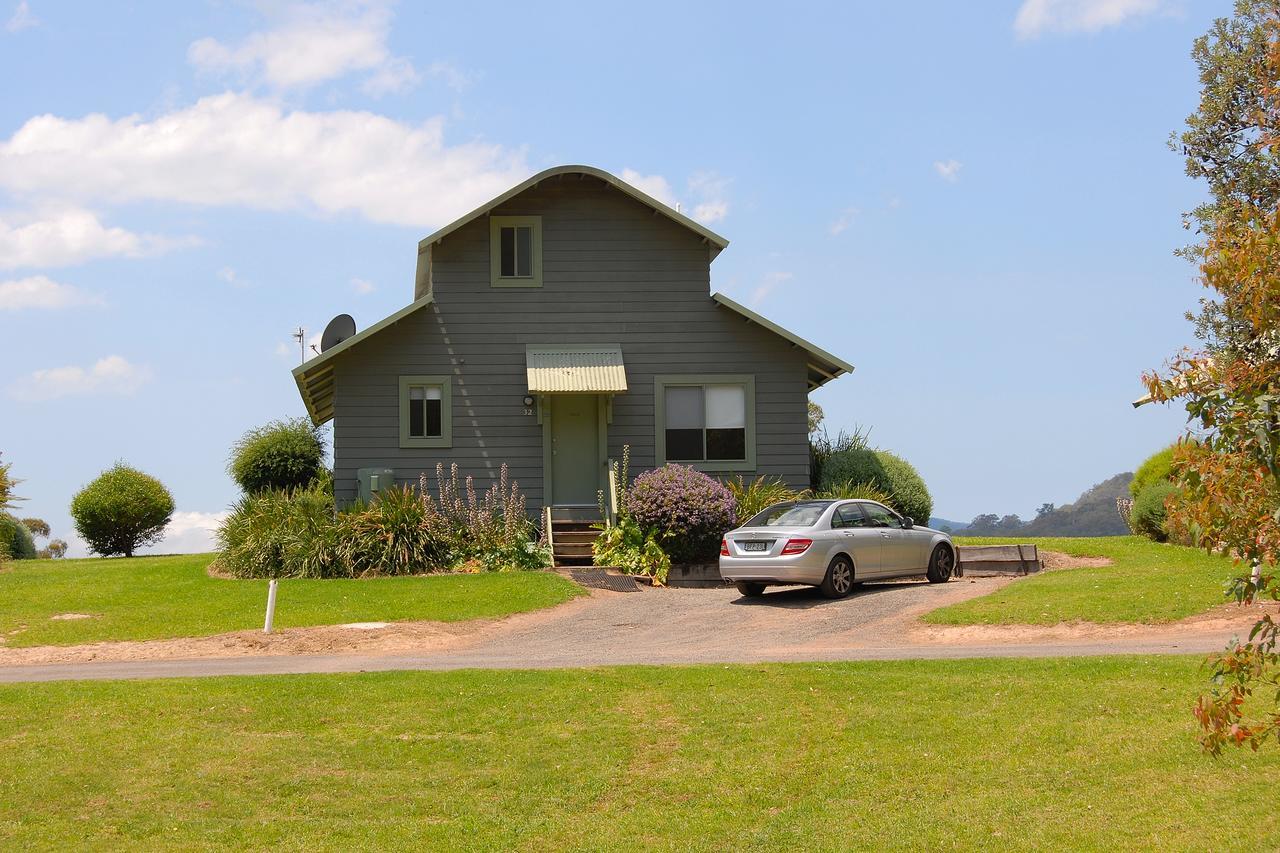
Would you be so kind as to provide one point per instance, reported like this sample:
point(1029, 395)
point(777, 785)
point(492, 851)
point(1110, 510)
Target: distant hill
point(1092, 514)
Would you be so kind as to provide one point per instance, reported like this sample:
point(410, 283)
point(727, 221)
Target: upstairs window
point(707, 422)
point(425, 411)
point(515, 246)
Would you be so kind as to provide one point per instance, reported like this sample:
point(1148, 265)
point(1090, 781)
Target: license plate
point(755, 546)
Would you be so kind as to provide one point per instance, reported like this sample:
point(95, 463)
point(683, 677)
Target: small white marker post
point(271, 606)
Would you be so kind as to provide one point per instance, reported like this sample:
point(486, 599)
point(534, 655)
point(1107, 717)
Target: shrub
point(849, 490)
point(286, 454)
point(1148, 513)
point(398, 534)
point(886, 472)
point(624, 545)
point(15, 539)
point(749, 497)
point(281, 534)
point(122, 510)
point(492, 528)
point(688, 510)
point(823, 447)
point(1157, 468)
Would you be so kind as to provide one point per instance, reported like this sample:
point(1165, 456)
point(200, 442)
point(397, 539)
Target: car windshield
point(802, 514)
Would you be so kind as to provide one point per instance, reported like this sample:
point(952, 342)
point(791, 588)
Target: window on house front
point(424, 411)
point(707, 422)
point(516, 249)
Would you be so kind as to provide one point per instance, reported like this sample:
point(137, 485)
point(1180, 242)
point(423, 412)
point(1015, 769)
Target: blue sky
point(972, 202)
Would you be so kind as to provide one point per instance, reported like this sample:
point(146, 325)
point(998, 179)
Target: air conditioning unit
point(370, 481)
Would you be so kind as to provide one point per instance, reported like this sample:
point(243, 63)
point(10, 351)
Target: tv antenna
point(301, 337)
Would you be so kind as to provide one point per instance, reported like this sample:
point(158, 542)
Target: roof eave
point(822, 366)
point(714, 240)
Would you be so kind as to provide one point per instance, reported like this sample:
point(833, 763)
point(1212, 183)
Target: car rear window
point(802, 514)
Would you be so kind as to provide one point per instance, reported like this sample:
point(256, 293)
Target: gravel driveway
point(672, 626)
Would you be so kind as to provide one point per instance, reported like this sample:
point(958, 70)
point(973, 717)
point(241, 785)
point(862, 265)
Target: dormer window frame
point(518, 252)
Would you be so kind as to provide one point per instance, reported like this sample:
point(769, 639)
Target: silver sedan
point(832, 545)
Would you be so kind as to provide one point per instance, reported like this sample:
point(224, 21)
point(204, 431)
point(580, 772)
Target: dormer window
point(515, 248)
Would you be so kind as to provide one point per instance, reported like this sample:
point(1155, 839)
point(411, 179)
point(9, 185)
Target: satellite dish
point(339, 329)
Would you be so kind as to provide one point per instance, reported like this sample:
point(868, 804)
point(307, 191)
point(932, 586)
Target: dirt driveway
point(652, 626)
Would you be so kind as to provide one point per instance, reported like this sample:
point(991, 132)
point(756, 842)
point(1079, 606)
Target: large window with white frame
point(425, 417)
point(515, 249)
point(706, 421)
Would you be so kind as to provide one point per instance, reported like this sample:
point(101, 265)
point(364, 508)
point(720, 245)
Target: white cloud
point(843, 221)
point(21, 19)
point(311, 43)
point(189, 533)
point(707, 188)
point(654, 185)
point(41, 292)
point(768, 285)
point(453, 76)
point(1037, 17)
point(111, 375)
point(362, 286)
point(65, 236)
point(232, 277)
point(948, 170)
point(237, 149)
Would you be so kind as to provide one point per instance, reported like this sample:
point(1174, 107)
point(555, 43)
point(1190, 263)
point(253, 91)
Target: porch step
point(572, 533)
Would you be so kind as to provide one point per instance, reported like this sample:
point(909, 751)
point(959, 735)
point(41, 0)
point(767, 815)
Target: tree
point(122, 510)
point(986, 523)
point(37, 526)
point(1230, 473)
point(1045, 509)
point(280, 455)
point(7, 484)
point(1009, 524)
point(816, 417)
point(56, 549)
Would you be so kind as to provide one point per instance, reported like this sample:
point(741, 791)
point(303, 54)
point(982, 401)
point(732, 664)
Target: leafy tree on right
point(1228, 467)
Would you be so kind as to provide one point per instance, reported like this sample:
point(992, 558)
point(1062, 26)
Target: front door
point(574, 449)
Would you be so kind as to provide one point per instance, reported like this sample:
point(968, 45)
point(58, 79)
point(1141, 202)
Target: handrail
point(613, 493)
point(546, 520)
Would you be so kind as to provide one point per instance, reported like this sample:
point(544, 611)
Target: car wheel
point(750, 590)
point(839, 580)
point(941, 564)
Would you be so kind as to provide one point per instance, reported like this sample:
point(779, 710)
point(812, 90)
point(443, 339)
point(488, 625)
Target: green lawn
point(980, 754)
point(1147, 582)
point(145, 598)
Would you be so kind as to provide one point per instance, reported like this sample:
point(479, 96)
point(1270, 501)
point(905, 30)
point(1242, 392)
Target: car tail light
point(724, 547)
point(796, 546)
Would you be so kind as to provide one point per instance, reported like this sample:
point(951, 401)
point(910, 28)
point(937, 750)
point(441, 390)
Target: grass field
point(1147, 582)
point(145, 598)
point(1007, 754)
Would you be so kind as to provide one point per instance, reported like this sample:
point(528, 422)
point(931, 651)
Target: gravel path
point(692, 626)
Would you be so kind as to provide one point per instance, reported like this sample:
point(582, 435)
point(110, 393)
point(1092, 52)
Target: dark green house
point(566, 318)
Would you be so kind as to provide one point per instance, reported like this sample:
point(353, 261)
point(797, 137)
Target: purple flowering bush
point(688, 509)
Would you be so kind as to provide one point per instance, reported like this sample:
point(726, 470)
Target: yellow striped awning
point(575, 368)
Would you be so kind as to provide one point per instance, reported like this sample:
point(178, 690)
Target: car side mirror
point(908, 523)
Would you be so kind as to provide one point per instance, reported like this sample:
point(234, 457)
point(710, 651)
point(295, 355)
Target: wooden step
point(572, 549)
point(575, 536)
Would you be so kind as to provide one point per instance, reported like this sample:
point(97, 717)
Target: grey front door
point(574, 449)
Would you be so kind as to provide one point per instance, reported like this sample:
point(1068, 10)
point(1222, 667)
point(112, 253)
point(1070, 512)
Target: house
point(564, 319)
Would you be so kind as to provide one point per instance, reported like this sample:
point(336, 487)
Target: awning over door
point(575, 368)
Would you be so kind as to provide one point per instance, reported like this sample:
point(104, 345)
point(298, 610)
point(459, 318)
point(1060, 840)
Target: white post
point(271, 606)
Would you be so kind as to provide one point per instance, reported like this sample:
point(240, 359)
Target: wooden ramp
point(998, 559)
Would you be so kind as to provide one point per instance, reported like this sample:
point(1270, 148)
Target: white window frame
point(748, 383)
point(445, 439)
point(496, 224)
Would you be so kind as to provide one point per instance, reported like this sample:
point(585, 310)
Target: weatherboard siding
point(613, 272)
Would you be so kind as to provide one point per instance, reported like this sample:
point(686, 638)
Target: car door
point(897, 551)
point(862, 542)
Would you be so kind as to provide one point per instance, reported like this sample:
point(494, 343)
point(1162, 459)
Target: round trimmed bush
point(891, 474)
point(286, 454)
point(16, 541)
point(1157, 468)
point(689, 510)
point(1148, 513)
point(122, 510)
